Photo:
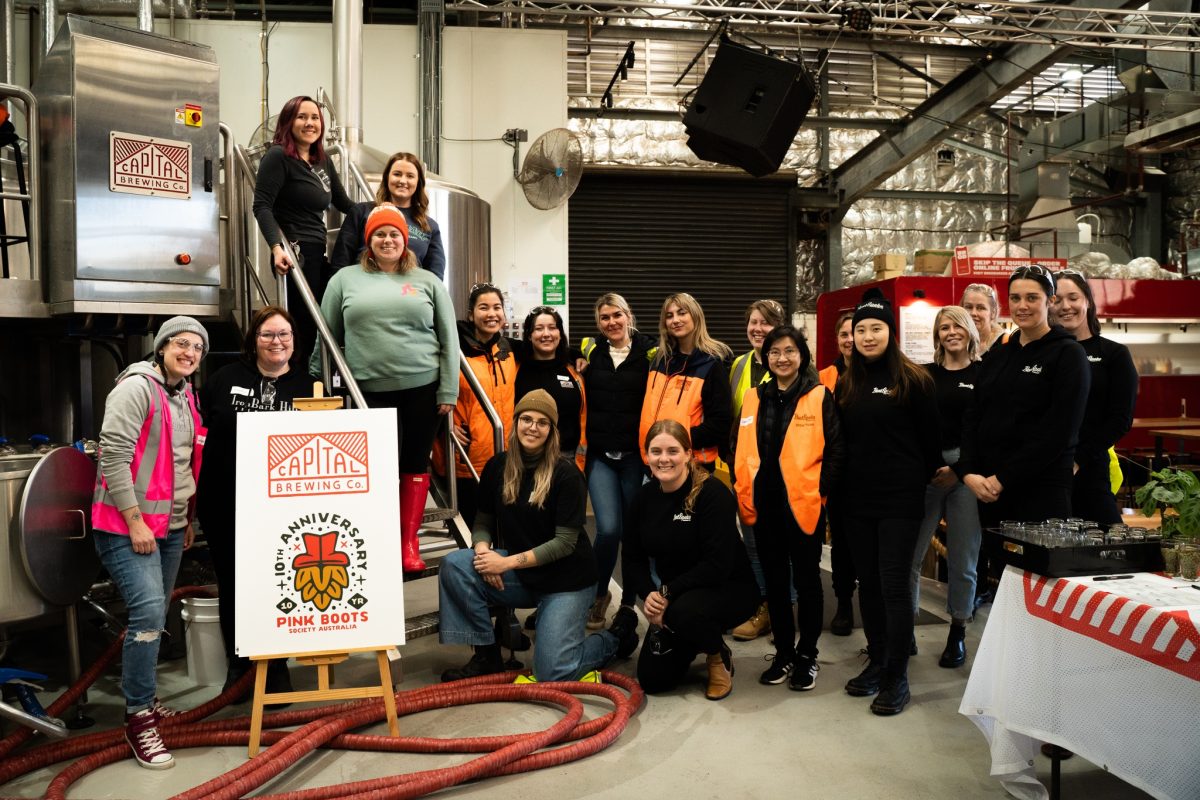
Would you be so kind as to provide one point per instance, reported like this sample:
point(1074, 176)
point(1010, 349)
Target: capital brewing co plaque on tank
point(149, 165)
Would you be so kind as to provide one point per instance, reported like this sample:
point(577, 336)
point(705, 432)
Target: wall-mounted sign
point(554, 290)
point(149, 165)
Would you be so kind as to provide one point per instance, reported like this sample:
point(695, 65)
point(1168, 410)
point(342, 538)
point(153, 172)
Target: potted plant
point(1176, 492)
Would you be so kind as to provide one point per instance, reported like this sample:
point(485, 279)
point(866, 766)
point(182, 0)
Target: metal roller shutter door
point(727, 240)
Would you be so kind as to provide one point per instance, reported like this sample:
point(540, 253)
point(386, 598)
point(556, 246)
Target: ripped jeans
point(145, 583)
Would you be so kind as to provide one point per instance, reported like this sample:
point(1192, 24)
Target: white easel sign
point(318, 532)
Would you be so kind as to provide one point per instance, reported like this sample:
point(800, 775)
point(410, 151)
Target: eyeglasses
point(542, 424)
point(789, 352)
point(270, 336)
point(186, 345)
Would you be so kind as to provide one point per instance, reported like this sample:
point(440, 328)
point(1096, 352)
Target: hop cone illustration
point(321, 573)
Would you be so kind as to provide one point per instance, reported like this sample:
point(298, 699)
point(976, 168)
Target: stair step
point(421, 625)
point(438, 514)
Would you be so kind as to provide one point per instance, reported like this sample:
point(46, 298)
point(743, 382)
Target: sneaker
point(778, 672)
point(590, 677)
point(866, 683)
point(521, 680)
point(164, 712)
point(141, 731)
point(892, 698)
point(804, 674)
point(599, 613)
point(480, 664)
point(754, 627)
point(624, 627)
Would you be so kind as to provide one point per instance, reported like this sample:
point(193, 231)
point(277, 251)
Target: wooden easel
point(322, 660)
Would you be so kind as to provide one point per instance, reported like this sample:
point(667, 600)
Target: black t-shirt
point(953, 390)
point(522, 526)
point(690, 550)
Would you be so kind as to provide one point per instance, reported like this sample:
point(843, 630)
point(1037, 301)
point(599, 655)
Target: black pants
point(841, 561)
point(695, 623)
point(317, 272)
point(883, 555)
point(1091, 495)
point(217, 519)
point(468, 499)
point(783, 547)
point(416, 423)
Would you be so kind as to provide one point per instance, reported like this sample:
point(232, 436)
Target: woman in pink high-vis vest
point(150, 445)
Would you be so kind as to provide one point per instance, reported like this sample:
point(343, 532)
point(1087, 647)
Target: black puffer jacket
point(615, 394)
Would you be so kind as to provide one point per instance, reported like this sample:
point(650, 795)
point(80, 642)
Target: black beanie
point(874, 306)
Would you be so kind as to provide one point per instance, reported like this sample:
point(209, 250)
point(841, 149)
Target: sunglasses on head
point(483, 286)
point(1035, 272)
point(543, 310)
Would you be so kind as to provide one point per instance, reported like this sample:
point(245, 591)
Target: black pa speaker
point(748, 108)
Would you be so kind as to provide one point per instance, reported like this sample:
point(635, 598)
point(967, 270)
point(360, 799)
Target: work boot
point(955, 654)
point(414, 489)
point(599, 612)
point(842, 623)
point(866, 683)
point(754, 627)
point(720, 674)
point(485, 661)
point(892, 697)
point(624, 627)
point(141, 731)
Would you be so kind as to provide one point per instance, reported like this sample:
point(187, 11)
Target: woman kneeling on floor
point(685, 521)
point(533, 501)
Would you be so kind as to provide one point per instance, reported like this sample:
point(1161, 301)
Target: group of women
point(885, 448)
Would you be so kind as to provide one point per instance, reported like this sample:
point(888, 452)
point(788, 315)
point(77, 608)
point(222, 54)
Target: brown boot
point(720, 675)
point(754, 627)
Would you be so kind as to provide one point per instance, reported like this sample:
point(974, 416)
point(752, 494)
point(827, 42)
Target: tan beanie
point(538, 400)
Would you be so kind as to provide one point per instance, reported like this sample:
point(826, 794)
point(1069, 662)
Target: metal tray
point(1069, 562)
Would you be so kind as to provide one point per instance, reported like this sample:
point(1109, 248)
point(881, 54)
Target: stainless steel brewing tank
point(466, 223)
point(131, 155)
point(18, 599)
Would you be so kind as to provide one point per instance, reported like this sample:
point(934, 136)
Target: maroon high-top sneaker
point(141, 731)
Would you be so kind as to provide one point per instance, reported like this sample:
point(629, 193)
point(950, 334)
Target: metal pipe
point(430, 22)
point(181, 9)
point(34, 151)
point(145, 16)
point(347, 73)
point(8, 10)
point(49, 23)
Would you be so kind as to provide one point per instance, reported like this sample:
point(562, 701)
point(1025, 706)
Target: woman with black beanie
point(893, 449)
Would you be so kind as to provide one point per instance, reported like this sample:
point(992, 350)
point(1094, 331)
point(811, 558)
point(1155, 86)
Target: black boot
point(485, 661)
point(867, 682)
point(893, 696)
point(955, 654)
point(842, 623)
point(624, 627)
point(238, 667)
point(279, 680)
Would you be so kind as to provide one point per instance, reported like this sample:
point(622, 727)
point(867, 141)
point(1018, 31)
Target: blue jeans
point(145, 583)
point(563, 651)
point(960, 508)
point(611, 485)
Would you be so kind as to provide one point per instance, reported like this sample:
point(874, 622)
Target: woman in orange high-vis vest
point(150, 445)
point(788, 453)
point(688, 380)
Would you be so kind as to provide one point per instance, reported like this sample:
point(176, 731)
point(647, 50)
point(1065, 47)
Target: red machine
point(1158, 320)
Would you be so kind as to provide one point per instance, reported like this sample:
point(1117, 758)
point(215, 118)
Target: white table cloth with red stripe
point(1109, 669)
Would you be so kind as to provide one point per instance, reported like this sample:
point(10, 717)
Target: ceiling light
point(1072, 74)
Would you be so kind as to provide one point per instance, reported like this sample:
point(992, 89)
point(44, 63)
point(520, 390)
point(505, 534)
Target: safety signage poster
point(318, 532)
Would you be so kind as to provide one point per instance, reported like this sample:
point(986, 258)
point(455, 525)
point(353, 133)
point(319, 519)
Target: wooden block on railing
point(318, 402)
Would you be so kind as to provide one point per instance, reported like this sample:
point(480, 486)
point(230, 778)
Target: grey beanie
point(177, 325)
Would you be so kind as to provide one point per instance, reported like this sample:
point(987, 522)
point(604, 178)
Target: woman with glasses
point(545, 364)
point(891, 429)
point(263, 379)
point(296, 184)
point(980, 302)
point(748, 371)
point(529, 550)
point(396, 323)
point(618, 362)
point(142, 515)
point(787, 457)
point(491, 356)
point(687, 380)
point(680, 530)
point(1109, 411)
point(404, 187)
point(955, 370)
point(1022, 427)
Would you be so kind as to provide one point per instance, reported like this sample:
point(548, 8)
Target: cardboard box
point(889, 265)
point(932, 262)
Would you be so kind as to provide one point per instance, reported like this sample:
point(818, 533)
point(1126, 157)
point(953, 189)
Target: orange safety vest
point(677, 397)
point(828, 377)
point(498, 378)
point(799, 460)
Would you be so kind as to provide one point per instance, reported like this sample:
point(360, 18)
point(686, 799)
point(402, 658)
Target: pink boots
point(413, 491)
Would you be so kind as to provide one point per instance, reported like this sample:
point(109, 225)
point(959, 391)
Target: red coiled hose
point(329, 726)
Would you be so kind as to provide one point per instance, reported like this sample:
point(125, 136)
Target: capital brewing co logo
point(323, 557)
point(148, 165)
point(302, 464)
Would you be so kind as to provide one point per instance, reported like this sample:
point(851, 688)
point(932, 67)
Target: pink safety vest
point(154, 487)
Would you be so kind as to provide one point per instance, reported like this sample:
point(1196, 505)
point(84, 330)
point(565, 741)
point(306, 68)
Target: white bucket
point(206, 663)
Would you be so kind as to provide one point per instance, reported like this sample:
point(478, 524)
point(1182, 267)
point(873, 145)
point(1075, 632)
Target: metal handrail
point(33, 232)
point(233, 223)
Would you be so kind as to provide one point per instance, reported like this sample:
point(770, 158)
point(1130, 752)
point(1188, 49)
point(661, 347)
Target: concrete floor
point(760, 742)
